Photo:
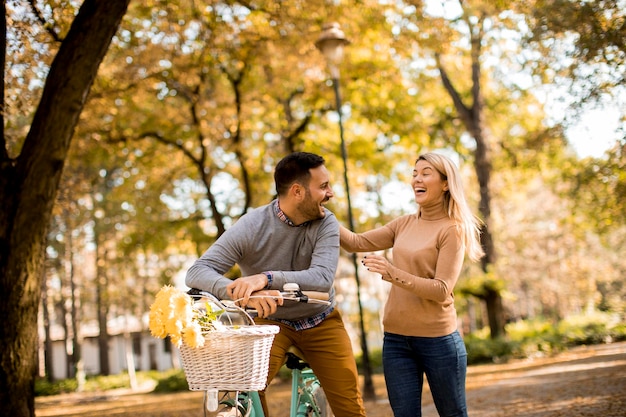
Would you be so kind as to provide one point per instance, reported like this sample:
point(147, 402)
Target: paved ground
point(583, 382)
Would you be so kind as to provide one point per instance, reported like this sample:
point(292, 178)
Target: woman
point(419, 319)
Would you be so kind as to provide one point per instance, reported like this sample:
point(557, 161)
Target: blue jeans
point(444, 362)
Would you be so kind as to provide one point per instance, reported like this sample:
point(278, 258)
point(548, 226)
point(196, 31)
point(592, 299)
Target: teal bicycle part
point(307, 395)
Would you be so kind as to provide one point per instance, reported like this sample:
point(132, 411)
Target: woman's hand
point(378, 264)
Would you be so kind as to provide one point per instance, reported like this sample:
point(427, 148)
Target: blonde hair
point(456, 205)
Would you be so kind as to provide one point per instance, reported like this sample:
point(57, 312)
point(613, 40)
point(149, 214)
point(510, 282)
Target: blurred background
point(197, 100)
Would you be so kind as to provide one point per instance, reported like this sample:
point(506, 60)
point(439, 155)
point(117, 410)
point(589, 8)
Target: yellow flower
point(182, 307)
point(173, 314)
point(176, 339)
point(192, 335)
point(157, 327)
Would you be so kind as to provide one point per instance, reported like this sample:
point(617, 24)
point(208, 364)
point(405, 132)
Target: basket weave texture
point(235, 359)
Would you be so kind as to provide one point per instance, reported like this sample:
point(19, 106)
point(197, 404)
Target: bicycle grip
point(317, 295)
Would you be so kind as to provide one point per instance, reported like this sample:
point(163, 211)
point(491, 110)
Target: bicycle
point(307, 395)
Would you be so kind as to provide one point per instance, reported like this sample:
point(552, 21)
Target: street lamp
point(331, 43)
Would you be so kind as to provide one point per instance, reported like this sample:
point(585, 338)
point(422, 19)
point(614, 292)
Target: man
point(294, 239)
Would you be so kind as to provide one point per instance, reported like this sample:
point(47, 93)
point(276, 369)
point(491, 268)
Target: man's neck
point(291, 212)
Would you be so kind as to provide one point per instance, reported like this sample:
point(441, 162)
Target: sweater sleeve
point(207, 272)
point(446, 273)
point(380, 238)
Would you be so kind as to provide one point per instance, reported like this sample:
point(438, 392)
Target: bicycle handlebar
point(291, 292)
point(312, 297)
point(308, 297)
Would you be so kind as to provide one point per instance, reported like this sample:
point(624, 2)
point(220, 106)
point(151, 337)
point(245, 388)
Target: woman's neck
point(432, 212)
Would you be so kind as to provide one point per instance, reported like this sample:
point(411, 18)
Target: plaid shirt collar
point(283, 217)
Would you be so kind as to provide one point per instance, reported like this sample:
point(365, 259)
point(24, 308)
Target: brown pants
point(328, 351)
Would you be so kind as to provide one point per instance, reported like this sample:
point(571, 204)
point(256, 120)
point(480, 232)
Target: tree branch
point(47, 26)
point(465, 112)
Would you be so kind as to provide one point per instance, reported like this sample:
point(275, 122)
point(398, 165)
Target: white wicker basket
point(235, 359)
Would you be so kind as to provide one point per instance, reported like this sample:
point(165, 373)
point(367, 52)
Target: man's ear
point(297, 191)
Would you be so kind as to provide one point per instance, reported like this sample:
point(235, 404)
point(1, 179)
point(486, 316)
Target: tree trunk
point(102, 305)
point(472, 118)
point(47, 336)
point(28, 187)
point(75, 318)
point(103, 336)
point(495, 313)
point(67, 337)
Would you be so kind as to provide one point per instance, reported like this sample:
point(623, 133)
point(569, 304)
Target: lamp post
point(331, 43)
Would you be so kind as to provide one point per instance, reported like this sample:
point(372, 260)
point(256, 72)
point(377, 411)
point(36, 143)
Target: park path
point(585, 381)
point(582, 382)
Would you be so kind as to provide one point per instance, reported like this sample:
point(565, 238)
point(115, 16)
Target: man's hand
point(241, 288)
point(267, 305)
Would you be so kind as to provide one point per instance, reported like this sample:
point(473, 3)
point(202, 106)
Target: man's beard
point(310, 209)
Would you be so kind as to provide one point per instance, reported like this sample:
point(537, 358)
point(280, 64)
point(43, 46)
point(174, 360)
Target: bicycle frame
point(304, 387)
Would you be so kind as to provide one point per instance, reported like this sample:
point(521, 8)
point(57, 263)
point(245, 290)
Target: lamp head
point(331, 43)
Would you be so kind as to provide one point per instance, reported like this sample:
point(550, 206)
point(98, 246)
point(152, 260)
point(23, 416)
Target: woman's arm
point(377, 239)
point(446, 270)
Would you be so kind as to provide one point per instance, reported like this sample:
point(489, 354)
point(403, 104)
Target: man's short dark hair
point(294, 168)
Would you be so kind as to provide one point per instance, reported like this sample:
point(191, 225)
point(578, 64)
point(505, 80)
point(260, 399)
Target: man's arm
point(207, 272)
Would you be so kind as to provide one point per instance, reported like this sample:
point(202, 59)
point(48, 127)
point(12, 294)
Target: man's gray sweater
point(261, 242)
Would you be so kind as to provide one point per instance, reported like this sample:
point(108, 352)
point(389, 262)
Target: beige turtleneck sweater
point(427, 255)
